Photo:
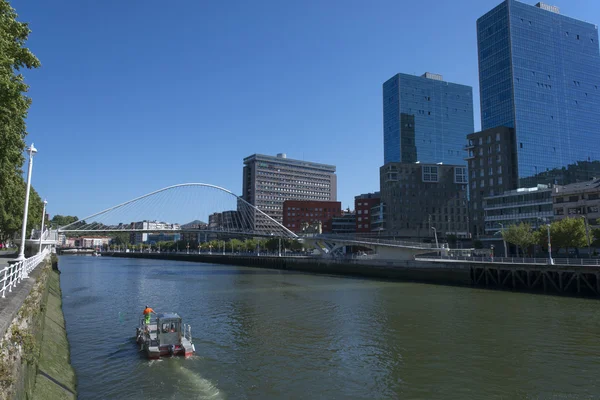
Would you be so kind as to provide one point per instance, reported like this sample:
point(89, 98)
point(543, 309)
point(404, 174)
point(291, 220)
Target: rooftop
point(573, 187)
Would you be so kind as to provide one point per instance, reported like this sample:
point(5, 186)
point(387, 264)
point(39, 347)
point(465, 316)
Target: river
point(267, 334)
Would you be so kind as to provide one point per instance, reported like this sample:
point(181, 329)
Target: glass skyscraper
point(425, 119)
point(539, 73)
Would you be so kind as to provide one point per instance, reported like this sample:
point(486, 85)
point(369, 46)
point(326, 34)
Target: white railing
point(11, 275)
point(514, 260)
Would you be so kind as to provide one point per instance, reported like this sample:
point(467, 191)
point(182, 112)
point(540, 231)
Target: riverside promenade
point(565, 280)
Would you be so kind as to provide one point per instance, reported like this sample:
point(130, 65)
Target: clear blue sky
point(137, 95)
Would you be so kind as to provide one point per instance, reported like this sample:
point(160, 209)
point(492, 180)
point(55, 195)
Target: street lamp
point(42, 231)
point(550, 260)
point(587, 234)
point(31, 150)
point(502, 233)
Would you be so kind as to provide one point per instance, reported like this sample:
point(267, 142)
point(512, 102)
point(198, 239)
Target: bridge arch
point(185, 207)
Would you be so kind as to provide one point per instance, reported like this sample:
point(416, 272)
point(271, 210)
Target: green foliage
point(520, 235)
point(564, 234)
point(62, 220)
point(13, 112)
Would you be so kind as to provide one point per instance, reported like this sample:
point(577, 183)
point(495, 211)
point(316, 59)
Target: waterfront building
point(344, 224)
point(269, 181)
point(425, 119)
point(491, 158)
point(152, 226)
point(528, 205)
point(578, 200)
point(539, 73)
point(364, 205)
point(421, 199)
point(297, 213)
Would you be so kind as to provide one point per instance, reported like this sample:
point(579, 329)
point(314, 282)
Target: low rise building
point(421, 199)
point(298, 213)
point(528, 205)
point(578, 200)
point(364, 205)
point(344, 224)
point(149, 227)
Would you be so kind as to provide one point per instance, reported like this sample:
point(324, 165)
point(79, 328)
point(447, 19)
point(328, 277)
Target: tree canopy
point(14, 104)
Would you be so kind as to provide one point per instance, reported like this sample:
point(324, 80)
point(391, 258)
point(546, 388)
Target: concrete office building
point(419, 197)
point(578, 200)
point(491, 158)
point(269, 181)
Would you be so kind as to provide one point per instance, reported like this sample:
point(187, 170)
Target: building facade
point(269, 181)
point(422, 198)
point(491, 158)
point(344, 224)
point(578, 200)
point(297, 213)
point(364, 206)
point(425, 119)
point(528, 205)
point(150, 227)
point(539, 73)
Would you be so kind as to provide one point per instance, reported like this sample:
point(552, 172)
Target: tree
point(520, 235)
point(62, 220)
point(13, 111)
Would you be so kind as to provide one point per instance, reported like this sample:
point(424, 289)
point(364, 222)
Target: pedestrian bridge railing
point(515, 260)
point(13, 274)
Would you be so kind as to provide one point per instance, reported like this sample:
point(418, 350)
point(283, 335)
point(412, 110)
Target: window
point(498, 148)
point(497, 136)
point(481, 173)
point(366, 211)
point(460, 175)
point(559, 211)
point(481, 151)
point(359, 226)
point(491, 181)
point(482, 183)
point(573, 198)
point(500, 180)
point(499, 169)
point(489, 139)
point(593, 196)
point(574, 210)
point(430, 173)
point(592, 209)
point(498, 158)
point(480, 141)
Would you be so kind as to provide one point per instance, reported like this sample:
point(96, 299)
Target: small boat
point(165, 335)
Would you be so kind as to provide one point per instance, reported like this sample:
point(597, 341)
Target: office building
point(365, 204)
point(344, 224)
point(420, 198)
point(491, 158)
point(268, 181)
point(298, 213)
point(425, 119)
point(539, 73)
point(532, 206)
point(578, 200)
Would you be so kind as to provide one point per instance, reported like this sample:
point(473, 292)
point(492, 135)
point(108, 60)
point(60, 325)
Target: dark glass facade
point(425, 119)
point(539, 72)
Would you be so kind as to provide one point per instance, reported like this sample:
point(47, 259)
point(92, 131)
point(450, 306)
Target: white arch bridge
point(205, 209)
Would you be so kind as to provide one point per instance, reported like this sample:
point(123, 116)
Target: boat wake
point(205, 388)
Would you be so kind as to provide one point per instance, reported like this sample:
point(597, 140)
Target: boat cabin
point(168, 327)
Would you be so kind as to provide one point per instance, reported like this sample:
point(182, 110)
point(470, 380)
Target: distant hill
point(194, 224)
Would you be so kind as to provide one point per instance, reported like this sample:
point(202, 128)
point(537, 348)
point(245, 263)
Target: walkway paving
point(9, 306)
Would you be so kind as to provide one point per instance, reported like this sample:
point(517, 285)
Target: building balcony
point(519, 204)
point(519, 216)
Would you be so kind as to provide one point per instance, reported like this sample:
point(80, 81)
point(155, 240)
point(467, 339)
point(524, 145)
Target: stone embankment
point(34, 351)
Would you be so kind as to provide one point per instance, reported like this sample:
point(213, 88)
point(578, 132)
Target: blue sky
point(136, 95)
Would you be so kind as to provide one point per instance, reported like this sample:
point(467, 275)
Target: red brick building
point(296, 212)
point(362, 206)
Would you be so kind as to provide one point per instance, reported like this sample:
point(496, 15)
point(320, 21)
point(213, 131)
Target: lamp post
point(550, 260)
point(587, 234)
point(502, 233)
point(31, 150)
point(42, 231)
point(279, 247)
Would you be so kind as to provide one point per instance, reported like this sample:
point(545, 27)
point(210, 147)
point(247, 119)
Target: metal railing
point(371, 240)
point(11, 275)
point(516, 260)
